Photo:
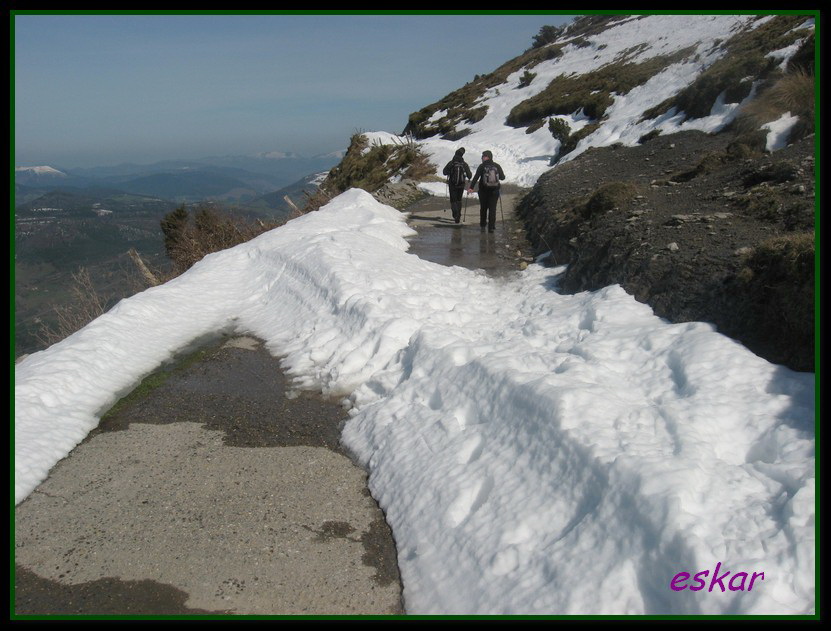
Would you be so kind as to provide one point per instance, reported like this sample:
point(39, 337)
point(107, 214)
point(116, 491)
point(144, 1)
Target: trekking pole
point(500, 207)
point(464, 215)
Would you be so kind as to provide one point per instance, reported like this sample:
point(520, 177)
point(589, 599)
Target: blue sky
point(95, 90)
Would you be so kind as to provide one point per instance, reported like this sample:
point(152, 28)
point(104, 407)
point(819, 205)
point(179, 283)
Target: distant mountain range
point(222, 178)
point(66, 219)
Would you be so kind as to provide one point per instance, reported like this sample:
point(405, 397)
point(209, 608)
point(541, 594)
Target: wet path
point(207, 491)
point(443, 241)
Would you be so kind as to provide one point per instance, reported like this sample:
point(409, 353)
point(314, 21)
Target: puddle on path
point(442, 241)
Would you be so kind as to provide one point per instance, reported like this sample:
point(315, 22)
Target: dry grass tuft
point(85, 305)
point(793, 93)
point(189, 237)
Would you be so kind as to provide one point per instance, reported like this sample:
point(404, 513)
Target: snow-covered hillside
point(534, 453)
point(640, 61)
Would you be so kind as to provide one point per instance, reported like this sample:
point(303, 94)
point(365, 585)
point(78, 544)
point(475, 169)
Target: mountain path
point(212, 493)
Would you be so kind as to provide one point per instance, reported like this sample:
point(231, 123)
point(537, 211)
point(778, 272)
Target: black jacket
point(481, 169)
point(449, 166)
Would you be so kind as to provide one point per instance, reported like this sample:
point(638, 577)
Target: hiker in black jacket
point(488, 175)
point(458, 175)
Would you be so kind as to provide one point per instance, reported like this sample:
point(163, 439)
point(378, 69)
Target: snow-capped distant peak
point(41, 170)
point(333, 154)
point(276, 155)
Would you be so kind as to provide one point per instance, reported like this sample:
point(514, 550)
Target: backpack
point(457, 174)
point(490, 176)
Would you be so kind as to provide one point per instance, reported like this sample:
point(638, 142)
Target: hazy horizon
point(104, 90)
point(195, 158)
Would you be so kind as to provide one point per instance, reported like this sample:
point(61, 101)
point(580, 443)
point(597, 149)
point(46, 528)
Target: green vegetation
point(571, 142)
point(560, 129)
point(190, 236)
point(546, 35)
point(526, 79)
point(746, 61)
point(370, 167)
point(590, 92)
point(580, 28)
point(462, 105)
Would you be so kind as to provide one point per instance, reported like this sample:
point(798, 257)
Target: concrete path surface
point(208, 491)
point(212, 493)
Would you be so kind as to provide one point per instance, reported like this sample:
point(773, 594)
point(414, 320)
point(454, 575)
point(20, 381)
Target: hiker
point(488, 175)
point(458, 175)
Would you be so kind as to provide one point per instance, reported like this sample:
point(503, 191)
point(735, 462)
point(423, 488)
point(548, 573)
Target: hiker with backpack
point(458, 175)
point(488, 175)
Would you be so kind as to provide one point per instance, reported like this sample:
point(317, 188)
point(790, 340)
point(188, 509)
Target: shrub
point(763, 204)
point(733, 74)
point(794, 92)
point(188, 237)
point(786, 258)
point(461, 104)
point(173, 226)
point(546, 35)
point(84, 306)
point(571, 143)
point(747, 145)
point(476, 114)
point(369, 168)
point(560, 129)
point(608, 197)
point(590, 92)
point(526, 79)
point(454, 135)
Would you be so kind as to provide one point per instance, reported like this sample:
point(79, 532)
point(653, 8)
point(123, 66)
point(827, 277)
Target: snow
point(779, 130)
point(534, 452)
point(524, 157)
point(40, 170)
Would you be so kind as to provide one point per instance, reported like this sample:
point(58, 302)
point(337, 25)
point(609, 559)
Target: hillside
point(672, 155)
point(732, 245)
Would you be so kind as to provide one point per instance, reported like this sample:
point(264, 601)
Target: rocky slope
point(701, 227)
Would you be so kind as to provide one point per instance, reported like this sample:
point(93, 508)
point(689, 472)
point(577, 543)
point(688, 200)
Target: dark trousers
point(488, 198)
point(456, 200)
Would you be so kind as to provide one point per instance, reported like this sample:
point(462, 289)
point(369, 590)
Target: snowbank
point(535, 453)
